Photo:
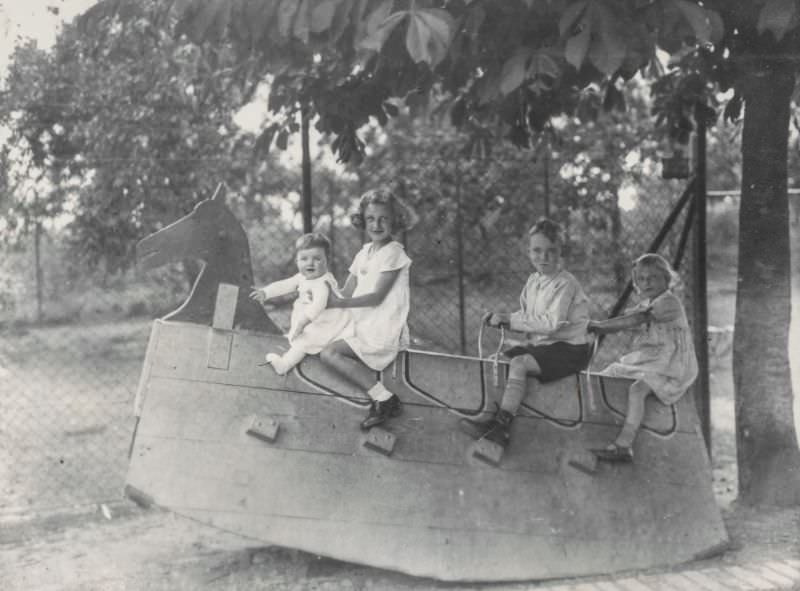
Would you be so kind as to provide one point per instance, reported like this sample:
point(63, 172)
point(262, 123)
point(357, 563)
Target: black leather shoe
point(496, 429)
point(381, 411)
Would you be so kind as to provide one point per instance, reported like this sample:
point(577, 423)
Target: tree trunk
point(768, 456)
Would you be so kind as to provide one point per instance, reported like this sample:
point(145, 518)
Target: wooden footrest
point(585, 461)
point(380, 440)
point(263, 429)
point(488, 451)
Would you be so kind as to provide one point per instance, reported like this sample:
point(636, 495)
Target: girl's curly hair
point(403, 216)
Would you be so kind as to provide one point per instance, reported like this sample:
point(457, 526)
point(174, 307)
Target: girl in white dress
point(313, 325)
point(378, 294)
point(663, 361)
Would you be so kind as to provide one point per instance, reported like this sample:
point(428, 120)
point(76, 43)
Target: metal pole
point(547, 179)
point(702, 395)
point(656, 243)
point(306, 167)
point(688, 224)
point(37, 239)
point(460, 266)
point(332, 230)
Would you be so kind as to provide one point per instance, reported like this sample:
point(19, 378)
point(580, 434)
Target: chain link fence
point(72, 342)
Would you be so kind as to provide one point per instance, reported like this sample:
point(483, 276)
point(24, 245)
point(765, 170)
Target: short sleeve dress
point(663, 355)
point(379, 332)
point(327, 324)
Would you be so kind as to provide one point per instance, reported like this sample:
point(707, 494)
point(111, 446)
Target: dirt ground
point(123, 547)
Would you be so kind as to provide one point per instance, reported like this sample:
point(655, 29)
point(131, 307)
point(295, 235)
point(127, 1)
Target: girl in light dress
point(313, 324)
point(663, 361)
point(377, 294)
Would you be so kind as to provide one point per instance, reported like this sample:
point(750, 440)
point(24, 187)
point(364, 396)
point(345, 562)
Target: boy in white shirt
point(554, 313)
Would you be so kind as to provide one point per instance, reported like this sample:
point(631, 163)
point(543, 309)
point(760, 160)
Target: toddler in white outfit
point(313, 324)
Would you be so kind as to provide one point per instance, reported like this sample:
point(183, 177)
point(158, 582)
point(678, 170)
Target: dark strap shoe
point(381, 411)
point(496, 429)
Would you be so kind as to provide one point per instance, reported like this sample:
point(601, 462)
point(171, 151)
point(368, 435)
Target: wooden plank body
point(429, 508)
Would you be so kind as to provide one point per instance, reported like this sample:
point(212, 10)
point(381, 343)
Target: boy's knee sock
point(513, 395)
point(627, 434)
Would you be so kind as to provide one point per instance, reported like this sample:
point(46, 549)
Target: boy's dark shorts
point(556, 360)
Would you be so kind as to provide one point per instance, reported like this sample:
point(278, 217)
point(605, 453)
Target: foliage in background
point(129, 129)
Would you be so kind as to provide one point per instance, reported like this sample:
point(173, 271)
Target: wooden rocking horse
point(280, 459)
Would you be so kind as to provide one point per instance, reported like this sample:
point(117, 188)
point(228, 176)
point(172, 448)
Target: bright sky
point(35, 19)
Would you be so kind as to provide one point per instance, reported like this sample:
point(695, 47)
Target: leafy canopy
point(516, 61)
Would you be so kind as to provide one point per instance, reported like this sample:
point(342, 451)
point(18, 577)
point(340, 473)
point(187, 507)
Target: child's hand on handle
point(499, 319)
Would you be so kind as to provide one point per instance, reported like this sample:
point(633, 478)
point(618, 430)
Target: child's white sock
point(277, 363)
point(283, 363)
point(379, 393)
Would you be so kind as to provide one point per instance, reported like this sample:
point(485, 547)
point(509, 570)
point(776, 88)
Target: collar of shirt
point(543, 280)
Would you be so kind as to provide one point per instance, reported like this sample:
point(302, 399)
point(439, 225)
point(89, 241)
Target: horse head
point(211, 234)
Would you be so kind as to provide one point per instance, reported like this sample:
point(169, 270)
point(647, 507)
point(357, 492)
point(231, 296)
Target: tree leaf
point(543, 63)
point(343, 16)
point(417, 37)
point(286, 12)
point(376, 39)
point(608, 48)
point(205, 20)
point(514, 70)
point(302, 21)
point(578, 45)
point(378, 16)
point(777, 16)
point(259, 18)
point(698, 19)
point(322, 15)
point(429, 33)
point(717, 26)
point(570, 16)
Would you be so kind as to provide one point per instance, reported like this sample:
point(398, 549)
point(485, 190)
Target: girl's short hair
point(313, 240)
point(656, 261)
point(550, 229)
point(403, 216)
